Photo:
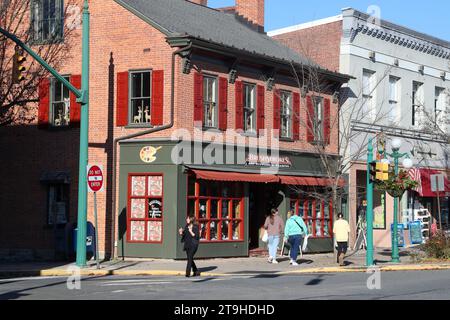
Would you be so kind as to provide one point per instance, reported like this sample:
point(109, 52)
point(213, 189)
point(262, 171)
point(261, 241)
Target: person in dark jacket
point(190, 236)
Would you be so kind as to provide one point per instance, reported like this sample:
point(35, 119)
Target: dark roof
point(183, 18)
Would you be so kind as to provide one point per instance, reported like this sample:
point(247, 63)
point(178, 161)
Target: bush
point(438, 247)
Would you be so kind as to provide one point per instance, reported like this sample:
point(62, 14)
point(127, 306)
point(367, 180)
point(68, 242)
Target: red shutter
point(239, 87)
point(157, 110)
point(198, 97)
point(296, 122)
point(260, 109)
point(326, 121)
point(122, 99)
point(223, 101)
point(276, 112)
point(75, 108)
point(44, 102)
point(309, 119)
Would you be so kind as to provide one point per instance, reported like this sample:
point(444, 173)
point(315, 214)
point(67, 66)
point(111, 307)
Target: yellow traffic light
point(382, 171)
point(18, 68)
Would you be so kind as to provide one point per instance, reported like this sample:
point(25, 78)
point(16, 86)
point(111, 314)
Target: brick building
point(162, 71)
point(400, 87)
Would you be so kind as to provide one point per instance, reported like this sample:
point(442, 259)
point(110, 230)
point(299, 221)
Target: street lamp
point(407, 163)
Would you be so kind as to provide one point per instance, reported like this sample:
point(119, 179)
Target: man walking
point(341, 230)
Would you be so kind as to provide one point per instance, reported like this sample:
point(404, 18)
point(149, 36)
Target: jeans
point(190, 252)
point(273, 245)
point(295, 242)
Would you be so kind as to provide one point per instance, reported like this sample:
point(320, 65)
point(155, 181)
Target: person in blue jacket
point(294, 231)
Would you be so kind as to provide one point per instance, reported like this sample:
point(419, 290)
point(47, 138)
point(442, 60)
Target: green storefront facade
point(230, 196)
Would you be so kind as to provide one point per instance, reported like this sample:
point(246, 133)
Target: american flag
point(414, 173)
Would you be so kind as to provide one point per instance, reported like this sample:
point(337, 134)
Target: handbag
point(265, 236)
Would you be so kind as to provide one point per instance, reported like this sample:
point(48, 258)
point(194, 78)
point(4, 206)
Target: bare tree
point(15, 98)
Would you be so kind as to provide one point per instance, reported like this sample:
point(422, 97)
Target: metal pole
point(395, 254)
point(369, 210)
point(96, 230)
point(84, 134)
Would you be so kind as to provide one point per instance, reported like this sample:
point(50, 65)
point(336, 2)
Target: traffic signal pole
point(369, 210)
point(82, 98)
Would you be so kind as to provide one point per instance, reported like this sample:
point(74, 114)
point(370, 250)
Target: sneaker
point(270, 260)
point(274, 261)
point(294, 263)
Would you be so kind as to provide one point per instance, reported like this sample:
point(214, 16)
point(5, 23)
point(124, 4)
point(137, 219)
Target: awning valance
point(263, 178)
point(423, 176)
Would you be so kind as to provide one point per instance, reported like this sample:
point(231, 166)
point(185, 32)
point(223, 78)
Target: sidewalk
point(313, 263)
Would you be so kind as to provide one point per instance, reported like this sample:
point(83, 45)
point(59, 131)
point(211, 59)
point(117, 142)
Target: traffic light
point(373, 171)
point(382, 173)
point(18, 68)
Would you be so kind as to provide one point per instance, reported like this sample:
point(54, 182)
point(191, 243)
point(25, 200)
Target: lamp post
point(407, 163)
point(369, 208)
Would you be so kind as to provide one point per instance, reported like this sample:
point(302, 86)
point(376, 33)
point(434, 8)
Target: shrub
point(438, 247)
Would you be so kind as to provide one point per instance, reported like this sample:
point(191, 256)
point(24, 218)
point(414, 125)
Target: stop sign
point(95, 178)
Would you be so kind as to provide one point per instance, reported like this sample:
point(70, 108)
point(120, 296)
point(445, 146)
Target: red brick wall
point(252, 10)
point(120, 42)
point(320, 43)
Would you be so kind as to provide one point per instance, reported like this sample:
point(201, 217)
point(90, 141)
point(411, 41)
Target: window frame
point(197, 197)
point(131, 122)
point(311, 220)
point(215, 78)
point(394, 102)
point(66, 191)
point(370, 96)
point(246, 108)
point(289, 116)
point(416, 113)
point(438, 111)
point(59, 21)
point(319, 131)
point(146, 197)
point(53, 82)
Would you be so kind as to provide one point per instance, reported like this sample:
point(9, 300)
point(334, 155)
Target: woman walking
point(294, 232)
point(274, 226)
point(190, 235)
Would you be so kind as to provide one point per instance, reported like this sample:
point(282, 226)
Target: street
point(420, 285)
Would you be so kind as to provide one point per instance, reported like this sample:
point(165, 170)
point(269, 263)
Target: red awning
point(263, 178)
point(309, 181)
point(424, 189)
point(235, 176)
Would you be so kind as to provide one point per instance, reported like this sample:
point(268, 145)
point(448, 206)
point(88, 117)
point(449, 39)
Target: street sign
point(95, 178)
point(437, 182)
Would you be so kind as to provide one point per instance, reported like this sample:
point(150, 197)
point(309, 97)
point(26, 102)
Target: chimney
point(253, 10)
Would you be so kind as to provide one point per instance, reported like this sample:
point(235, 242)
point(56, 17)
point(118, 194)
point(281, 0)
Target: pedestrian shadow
point(207, 269)
point(305, 261)
point(316, 281)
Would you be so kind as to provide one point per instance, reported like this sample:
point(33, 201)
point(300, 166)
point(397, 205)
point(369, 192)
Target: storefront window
point(316, 213)
point(218, 208)
point(145, 208)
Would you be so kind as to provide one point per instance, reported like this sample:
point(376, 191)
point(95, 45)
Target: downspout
point(135, 135)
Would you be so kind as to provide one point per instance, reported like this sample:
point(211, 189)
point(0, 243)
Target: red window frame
point(310, 216)
point(147, 197)
point(208, 198)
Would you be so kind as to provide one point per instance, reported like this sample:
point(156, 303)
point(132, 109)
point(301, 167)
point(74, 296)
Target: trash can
point(90, 240)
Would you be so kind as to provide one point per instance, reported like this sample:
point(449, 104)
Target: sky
point(431, 16)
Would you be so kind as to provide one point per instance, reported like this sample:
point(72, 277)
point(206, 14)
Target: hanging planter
point(396, 186)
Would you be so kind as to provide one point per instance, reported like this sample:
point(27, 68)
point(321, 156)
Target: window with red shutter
point(44, 103)
point(122, 99)
point(75, 108)
point(296, 115)
point(327, 121)
point(260, 109)
point(198, 98)
point(157, 103)
point(276, 112)
point(309, 119)
point(239, 88)
point(223, 101)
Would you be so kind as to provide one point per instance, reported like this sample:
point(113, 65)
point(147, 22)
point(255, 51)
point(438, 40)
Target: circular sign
point(95, 178)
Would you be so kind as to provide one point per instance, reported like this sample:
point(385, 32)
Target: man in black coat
point(190, 236)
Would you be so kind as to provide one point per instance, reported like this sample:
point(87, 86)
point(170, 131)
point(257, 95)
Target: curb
point(95, 272)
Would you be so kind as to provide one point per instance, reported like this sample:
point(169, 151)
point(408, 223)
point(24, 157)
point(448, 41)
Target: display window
point(317, 215)
point(145, 208)
point(219, 209)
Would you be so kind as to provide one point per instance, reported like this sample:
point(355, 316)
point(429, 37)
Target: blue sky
point(430, 16)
